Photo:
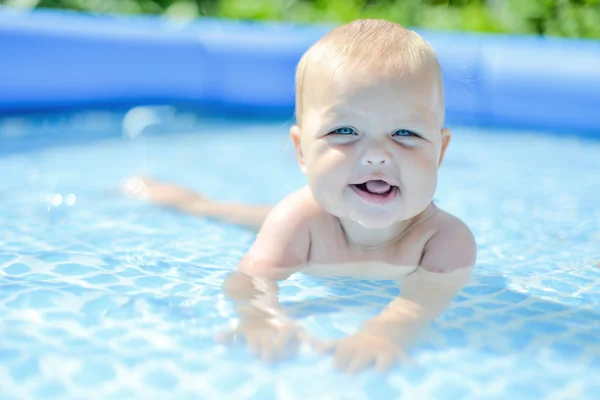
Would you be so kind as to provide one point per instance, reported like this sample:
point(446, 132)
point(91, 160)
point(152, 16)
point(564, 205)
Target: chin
point(370, 221)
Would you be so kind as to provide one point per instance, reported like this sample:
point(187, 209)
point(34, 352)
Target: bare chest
point(331, 255)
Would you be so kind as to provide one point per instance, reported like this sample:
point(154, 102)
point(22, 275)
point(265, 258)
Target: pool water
point(103, 297)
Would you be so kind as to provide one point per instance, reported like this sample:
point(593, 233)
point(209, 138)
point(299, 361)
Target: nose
point(375, 156)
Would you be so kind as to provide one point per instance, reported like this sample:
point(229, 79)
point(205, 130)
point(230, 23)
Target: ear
point(446, 135)
point(295, 134)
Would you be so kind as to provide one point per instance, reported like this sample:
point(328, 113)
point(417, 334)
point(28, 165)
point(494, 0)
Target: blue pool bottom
point(109, 298)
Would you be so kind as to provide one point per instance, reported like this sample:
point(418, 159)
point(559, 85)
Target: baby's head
point(370, 111)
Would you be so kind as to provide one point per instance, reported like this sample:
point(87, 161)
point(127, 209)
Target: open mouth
point(375, 191)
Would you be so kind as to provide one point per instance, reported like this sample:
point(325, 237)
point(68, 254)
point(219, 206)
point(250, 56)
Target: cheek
point(328, 164)
point(328, 172)
point(421, 173)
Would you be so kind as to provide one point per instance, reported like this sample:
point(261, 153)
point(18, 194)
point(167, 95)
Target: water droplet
point(70, 199)
point(56, 200)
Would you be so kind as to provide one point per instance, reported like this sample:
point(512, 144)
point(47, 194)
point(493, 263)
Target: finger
point(360, 361)
point(384, 362)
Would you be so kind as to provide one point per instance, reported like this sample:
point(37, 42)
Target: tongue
point(377, 187)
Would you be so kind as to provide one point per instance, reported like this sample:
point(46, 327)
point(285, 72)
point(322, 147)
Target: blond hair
point(372, 45)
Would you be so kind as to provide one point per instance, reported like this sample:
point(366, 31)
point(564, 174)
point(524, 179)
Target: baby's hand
point(363, 349)
point(160, 193)
point(266, 339)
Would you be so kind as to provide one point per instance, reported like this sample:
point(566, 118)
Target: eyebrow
point(417, 115)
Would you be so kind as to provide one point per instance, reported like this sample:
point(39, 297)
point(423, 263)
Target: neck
point(359, 236)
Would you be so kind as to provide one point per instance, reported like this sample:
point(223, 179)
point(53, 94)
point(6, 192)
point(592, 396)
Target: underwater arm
point(424, 296)
point(281, 249)
point(445, 268)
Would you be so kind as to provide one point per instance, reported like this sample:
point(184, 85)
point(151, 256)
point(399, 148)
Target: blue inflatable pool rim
point(54, 59)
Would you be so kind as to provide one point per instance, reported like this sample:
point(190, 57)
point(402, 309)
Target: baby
point(369, 137)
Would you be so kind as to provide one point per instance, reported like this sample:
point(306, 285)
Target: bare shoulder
point(283, 242)
point(451, 247)
point(295, 210)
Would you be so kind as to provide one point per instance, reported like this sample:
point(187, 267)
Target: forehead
point(369, 93)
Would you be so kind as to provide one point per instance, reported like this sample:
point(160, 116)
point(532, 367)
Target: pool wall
point(54, 59)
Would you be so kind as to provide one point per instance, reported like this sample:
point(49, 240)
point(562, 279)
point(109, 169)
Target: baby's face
point(371, 147)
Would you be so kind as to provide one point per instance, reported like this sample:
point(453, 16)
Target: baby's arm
point(444, 270)
point(186, 201)
point(281, 249)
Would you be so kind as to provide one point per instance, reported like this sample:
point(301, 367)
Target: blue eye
point(404, 133)
point(344, 131)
